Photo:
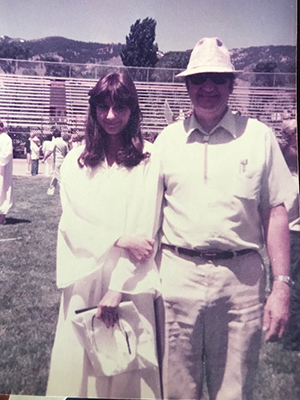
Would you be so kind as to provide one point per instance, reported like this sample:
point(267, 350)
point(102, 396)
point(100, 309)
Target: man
point(35, 147)
point(6, 167)
point(225, 182)
point(291, 337)
point(60, 150)
point(27, 153)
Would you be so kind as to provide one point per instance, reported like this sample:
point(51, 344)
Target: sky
point(180, 23)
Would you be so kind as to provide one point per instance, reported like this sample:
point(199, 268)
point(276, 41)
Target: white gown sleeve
point(6, 168)
point(6, 150)
point(128, 277)
point(84, 244)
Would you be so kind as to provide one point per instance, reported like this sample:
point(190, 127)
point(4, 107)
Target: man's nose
point(208, 85)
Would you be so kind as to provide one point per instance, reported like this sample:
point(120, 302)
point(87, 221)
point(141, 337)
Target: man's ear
point(231, 85)
point(187, 82)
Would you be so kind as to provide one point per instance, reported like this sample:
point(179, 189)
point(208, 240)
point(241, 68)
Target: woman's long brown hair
point(121, 91)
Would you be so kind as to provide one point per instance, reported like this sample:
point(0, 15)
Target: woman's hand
point(108, 308)
point(139, 248)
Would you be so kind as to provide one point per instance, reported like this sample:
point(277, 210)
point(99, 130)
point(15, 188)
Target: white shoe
point(51, 191)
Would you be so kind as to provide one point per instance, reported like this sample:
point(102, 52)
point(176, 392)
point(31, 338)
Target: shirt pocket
point(247, 185)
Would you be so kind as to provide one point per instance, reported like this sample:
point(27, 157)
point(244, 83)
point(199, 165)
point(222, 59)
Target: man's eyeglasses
point(218, 79)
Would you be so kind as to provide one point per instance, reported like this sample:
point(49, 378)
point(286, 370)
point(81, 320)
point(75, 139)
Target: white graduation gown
point(99, 206)
point(6, 167)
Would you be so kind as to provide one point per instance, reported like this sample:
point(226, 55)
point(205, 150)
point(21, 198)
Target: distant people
point(289, 144)
point(237, 112)
point(67, 138)
point(189, 113)
point(6, 166)
point(81, 139)
point(27, 153)
point(180, 116)
point(75, 140)
point(35, 147)
point(46, 147)
point(291, 337)
point(225, 183)
point(59, 150)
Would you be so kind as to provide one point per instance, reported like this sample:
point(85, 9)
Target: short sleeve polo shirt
point(216, 183)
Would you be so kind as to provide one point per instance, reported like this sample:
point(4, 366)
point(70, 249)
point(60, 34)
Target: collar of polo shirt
point(227, 122)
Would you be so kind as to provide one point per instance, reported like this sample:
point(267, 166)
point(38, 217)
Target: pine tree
point(263, 79)
point(12, 49)
point(140, 49)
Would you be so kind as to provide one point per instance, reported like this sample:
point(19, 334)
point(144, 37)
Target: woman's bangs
point(120, 96)
point(117, 96)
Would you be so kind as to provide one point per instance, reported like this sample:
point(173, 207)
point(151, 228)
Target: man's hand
point(276, 313)
point(139, 248)
point(108, 308)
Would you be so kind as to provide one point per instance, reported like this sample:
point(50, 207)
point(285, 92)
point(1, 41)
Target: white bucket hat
point(209, 55)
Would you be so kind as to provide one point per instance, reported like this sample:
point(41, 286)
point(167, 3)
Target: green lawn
point(29, 301)
point(29, 298)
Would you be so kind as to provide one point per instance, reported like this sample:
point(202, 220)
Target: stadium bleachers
point(40, 102)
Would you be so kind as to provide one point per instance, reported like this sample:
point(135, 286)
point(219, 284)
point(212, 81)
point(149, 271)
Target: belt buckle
point(176, 250)
point(209, 254)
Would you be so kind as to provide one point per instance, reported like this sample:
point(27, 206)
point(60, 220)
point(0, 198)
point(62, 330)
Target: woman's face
point(111, 117)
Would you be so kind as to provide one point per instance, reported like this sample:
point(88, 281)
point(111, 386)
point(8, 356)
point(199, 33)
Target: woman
point(59, 149)
point(105, 240)
point(47, 146)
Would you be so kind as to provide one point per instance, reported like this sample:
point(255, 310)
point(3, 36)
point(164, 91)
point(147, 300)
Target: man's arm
point(47, 155)
point(276, 313)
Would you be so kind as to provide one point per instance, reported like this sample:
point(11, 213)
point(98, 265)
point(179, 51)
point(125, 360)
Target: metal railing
point(37, 95)
point(139, 74)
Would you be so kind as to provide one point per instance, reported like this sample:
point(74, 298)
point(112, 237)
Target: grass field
point(29, 302)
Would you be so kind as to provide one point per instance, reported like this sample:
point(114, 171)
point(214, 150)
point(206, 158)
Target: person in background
point(27, 153)
point(59, 150)
point(105, 251)
point(289, 146)
point(6, 167)
point(75, 140)
point(35, 147)
point(67, 138)
point(47, 146)
point(291, 337)
point(225, 183)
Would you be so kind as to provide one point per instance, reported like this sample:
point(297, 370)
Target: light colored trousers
point(48, 166)
point(213, 323)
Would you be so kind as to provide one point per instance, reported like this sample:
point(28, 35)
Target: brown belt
point(209, 255)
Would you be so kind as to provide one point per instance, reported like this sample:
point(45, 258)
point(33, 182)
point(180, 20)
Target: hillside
point(56, 48)
point(282, 57)
point(63, 49)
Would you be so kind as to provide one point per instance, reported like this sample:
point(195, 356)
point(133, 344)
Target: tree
point(56, 68)
point(140, 49)
point(265, 73)
point(174, 59)
point(12, 49)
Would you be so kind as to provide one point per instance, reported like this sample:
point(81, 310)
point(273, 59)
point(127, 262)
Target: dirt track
point(20, 167)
